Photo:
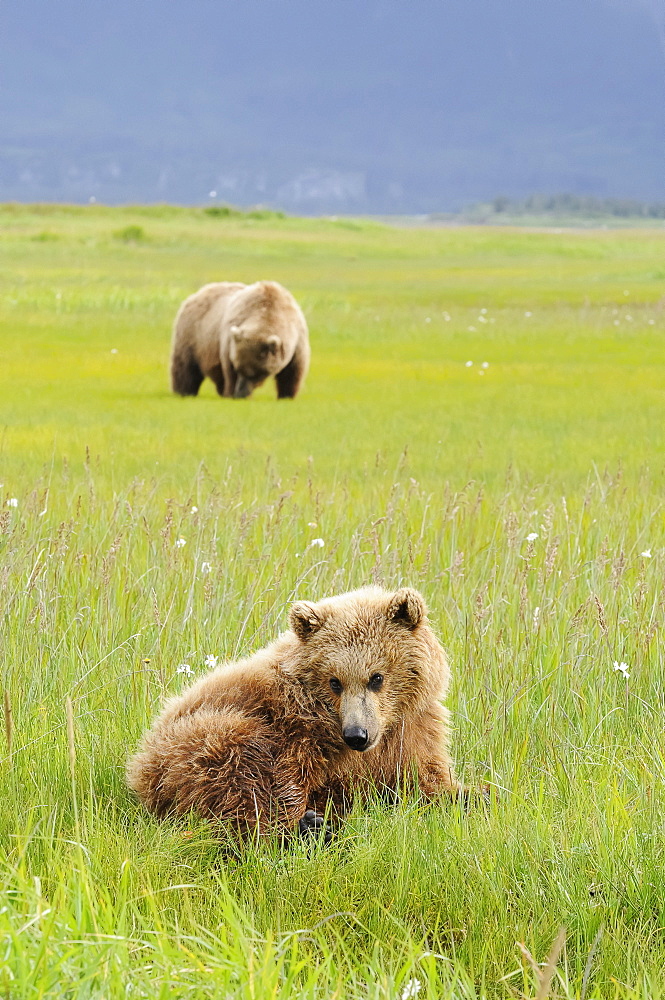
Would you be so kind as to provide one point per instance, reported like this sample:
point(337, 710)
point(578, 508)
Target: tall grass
point(102, 608)
point(184, 529)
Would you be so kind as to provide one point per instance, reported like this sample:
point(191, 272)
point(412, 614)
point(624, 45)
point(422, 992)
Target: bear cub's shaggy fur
point(238, 336)
point(346, 701)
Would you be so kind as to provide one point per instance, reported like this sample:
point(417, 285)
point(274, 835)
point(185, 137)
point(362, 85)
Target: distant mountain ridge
point(336, 106)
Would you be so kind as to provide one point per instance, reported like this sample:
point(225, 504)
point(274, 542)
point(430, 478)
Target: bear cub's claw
point(313, 825)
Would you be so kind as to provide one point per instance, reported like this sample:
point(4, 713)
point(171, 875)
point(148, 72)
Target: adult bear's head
point(371, 657)
point(260, 320)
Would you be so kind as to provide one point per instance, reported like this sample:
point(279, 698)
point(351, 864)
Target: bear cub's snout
point(356, 737)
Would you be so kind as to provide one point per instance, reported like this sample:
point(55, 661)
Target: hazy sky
point(324, 104)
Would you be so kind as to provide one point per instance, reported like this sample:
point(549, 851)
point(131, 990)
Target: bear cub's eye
point(375, 682)
point(335, 685)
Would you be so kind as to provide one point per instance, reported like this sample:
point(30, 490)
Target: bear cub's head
point(371, 657)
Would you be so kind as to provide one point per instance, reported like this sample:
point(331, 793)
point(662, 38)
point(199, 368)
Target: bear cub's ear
point(304, 619)
point(407, 608)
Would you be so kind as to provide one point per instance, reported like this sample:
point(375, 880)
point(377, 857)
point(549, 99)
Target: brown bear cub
point(238, 336)
point(345, 702)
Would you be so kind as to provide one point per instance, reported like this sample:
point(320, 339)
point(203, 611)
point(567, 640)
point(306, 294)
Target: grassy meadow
point(140, 532)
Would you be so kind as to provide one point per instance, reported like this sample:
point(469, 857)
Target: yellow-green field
point(524, 499)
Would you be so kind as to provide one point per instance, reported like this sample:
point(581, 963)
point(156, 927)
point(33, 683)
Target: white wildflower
point(629, 318)
point(532, 536)
point(483, 311)
point(179, 542)
point(412, 989)
point(114, 350)
point(616, 322)
point(536, 618)
point(185, 669)
point(622, 668)
point(211, 661)
point(471, 329)
point(428, 319)
point(651, 322)
point(312, 524)
point(316, 543)
point(468, 364)
point(646, 554)
point(446, 316)
point(205, 568)
point(195, 510)
point(626, 292)
point(12, 502)
point(527, 314)
point(486, 364)
point(481, 319)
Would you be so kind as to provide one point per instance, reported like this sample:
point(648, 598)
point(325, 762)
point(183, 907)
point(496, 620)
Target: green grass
point(414, 469)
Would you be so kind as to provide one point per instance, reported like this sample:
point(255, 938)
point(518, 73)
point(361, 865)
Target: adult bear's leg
point(291, 377)
point(186, 376)
point(217, 376)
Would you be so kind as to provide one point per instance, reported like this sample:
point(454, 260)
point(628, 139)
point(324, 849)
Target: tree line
point(577, 204)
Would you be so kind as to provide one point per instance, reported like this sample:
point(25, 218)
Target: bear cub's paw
point(480, 795)
point(313, 825)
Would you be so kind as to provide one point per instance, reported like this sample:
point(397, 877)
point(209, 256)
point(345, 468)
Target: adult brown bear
point(238, 336)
